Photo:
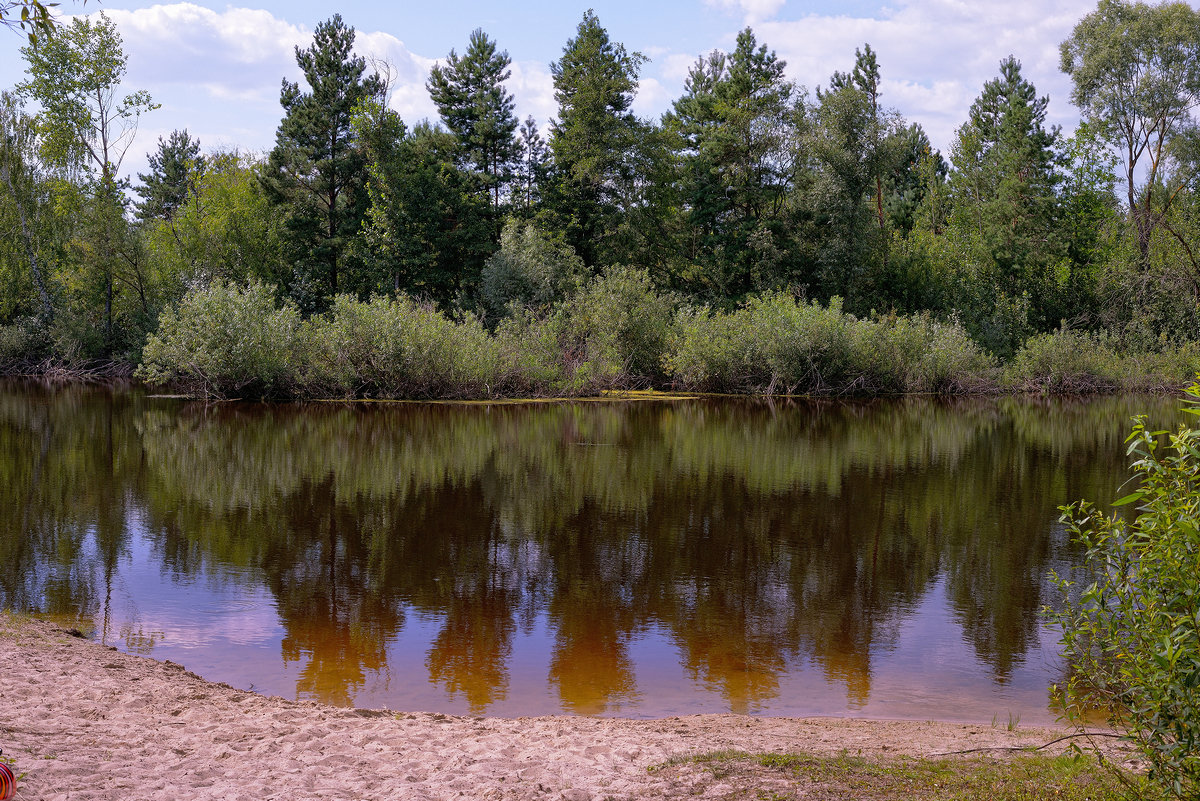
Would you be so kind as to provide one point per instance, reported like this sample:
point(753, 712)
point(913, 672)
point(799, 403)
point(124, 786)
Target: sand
point(84, 721)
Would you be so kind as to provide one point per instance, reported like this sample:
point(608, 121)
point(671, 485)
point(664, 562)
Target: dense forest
point(759, 237)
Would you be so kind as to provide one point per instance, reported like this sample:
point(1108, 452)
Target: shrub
point(1065, 362)
point(26, 339)
point(225, 340)
point(1132, 637)
point(917, 354)
point(610, 334)
point(774, 344)
point(529, 270)
point(623, 322)
point(398, 348)
point(1170, 366)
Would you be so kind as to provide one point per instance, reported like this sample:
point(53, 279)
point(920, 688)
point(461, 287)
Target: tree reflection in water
point(759, 538)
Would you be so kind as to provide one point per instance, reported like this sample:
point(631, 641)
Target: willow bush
point(1132, 636)
point(399, 348)
point(774, 344)
point(226, 340)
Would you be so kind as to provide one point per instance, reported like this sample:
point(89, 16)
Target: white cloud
point(677, 66)
point(935, 55)
point(752, 11)
point(652, 98)
point(533, 87)
point(239, 52)
point(220, 72)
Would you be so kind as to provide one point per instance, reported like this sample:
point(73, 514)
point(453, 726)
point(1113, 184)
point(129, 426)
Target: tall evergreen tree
point(174, 170)
point(865, 77)
point(317, 169)
point(425, 232)
point(1005, 175)
point(532, 168)
point(917, 169)
point(595, 135)
point(737, 125)
point(1004, 204)
point(855, 143)
point(470, 95)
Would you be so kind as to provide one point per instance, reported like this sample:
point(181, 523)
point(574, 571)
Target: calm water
point(882, 559)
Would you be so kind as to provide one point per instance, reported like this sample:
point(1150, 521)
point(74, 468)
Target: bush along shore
point(615, 332)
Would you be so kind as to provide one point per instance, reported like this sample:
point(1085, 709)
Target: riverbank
point(84, 721)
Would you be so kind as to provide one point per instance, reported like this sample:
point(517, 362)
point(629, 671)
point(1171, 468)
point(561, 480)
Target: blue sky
point(216, 66)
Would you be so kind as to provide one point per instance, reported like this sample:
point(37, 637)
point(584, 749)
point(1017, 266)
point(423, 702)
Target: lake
point(640, 558)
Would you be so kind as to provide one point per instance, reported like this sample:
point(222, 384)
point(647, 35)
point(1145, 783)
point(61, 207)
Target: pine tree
point(736, 127)
point(532, 168)
point(425, 232)
point(594, 136)
point(470, 95)
point(855, 144)
point(317, 169)
point(1005, 177)
point(1005, 211)
point(174, 170)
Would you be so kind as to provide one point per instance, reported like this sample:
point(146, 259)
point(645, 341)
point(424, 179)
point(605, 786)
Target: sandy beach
point(84, 721)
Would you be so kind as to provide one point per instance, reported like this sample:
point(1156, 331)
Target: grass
point(1070, 777)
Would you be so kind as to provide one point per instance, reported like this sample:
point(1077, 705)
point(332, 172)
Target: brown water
point(649, 558)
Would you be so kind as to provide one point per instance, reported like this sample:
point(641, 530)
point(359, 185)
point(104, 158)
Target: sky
point(216, 67)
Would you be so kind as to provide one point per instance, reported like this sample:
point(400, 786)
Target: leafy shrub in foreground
point(1132, 637)
point(1065, 362)
point(612, 333)
point(774, 344)
point(398, 348)
point(226, 340)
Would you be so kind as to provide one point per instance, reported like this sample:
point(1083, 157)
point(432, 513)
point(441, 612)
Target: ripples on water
point(648, 558)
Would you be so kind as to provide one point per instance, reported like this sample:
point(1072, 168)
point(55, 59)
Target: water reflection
point(786, 558)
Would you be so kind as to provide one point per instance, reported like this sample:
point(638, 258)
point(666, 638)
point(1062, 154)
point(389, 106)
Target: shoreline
point(85, 721)
point(1151, 386)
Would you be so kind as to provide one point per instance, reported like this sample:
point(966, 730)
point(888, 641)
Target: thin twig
point(1026, 748)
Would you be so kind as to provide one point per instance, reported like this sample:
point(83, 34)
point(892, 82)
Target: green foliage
point(26, 216)
point(174, 170)
point(611, 334)
point(85, 128)
point(621, 316)
point(470, 95)
point(735, 128)
point(74, 77)
point(225, 229)
point(1004, 202)
point(530, 271)
point(225, 340)
point(34, 19)
point(317, 170)
point(398, 348)
point(855, 143)
point(1136, 79)
point(1065, 362)
point(25, 339)
point(594, 134)
point(776, 345)
point(1028, 777)
point(426, 232)
point(1132, 636)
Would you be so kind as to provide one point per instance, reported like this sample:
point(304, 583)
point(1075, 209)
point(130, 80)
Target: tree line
point(750, 192)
